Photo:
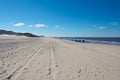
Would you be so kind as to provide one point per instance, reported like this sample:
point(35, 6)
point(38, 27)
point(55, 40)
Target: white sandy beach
point(23, 58)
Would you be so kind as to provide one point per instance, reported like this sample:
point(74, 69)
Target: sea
point(99, 40)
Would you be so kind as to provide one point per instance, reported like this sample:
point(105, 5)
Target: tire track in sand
point(18, 72)
point(53, 64)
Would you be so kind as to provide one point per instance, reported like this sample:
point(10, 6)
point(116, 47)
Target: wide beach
point(23, 58)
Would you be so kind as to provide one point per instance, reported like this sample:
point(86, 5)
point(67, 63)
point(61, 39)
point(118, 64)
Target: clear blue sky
point(83, 18)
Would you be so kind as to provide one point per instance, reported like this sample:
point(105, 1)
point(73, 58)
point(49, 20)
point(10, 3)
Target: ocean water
point(100, 40)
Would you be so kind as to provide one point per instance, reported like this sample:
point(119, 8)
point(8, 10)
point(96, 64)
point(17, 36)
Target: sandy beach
point(23, 58)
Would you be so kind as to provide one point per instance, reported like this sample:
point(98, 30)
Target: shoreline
point(95, 42)
point(90, 42)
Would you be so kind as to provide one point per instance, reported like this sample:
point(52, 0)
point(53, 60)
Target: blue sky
point(83, 18)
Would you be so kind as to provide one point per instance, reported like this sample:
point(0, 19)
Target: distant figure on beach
point(61, 38)
point(83, 41)
point(76, 40)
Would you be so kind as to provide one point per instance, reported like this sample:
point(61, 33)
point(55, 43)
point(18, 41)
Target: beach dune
point(23, 58)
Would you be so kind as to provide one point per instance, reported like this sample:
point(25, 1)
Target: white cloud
point(30, 25)
point(59, 27)
point(40, 25)
point(18, 24)
point(114, 23)
point(102, 27)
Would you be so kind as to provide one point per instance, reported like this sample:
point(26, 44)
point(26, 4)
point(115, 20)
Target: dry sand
point(24, 58)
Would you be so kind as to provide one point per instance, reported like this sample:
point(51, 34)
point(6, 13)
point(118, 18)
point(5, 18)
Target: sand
point(23, 58)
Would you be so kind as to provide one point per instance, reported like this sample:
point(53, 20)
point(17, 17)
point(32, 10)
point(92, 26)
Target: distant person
point(83, 41)
point(75, 40)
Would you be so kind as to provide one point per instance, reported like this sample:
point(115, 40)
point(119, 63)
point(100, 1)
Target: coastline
point(98, 40)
